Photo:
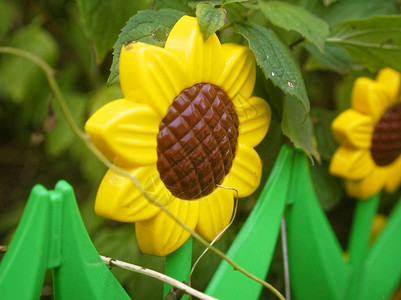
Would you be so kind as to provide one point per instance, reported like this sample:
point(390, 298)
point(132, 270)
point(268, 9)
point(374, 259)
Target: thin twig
point(86, 140)
point(3, 248)
point(160, 276)
point(219, 235)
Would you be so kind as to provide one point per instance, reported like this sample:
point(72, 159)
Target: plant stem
point(138, 269)
point(49, 72)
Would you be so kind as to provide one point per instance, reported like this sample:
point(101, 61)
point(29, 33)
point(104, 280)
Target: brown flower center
point(386, 140)
point(197, 141)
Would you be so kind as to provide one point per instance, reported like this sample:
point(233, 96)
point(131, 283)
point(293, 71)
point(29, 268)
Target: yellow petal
point(150, 75)
point(391, 80)
point(245, 172)
point(215, 211)
point(125, 131)
point(394, 176)
point(370, 98)
point(254, 120)
point(162, 235)
point(368, 186)
point(203, 61)
point(353, 129)
point(352, 164)
point(119, 199)
point(238, 78)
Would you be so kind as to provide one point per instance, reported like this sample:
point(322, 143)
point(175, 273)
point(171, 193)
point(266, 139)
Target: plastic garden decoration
point(370, 136)
point(186, 129)
point(51, 235)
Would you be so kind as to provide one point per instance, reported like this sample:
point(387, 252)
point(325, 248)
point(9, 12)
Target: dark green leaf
point(145, 26)
point(210, 18)
point(329, 189)
point(194, 4)
point(276, 61)
point(80, 49)
point(291, 17)
point(374, 42)
point(225, 2)
point(357, 9)
point(104, 19)
point(7, 14)
point(298, 127)
point(182, 5)
point(20, 78)
point(61, 137)
point(322, 119)
point(329, 2)
point(334, 58)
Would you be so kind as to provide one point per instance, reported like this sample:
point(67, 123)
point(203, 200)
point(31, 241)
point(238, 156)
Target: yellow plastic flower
point(185, 129)
point(369, 156)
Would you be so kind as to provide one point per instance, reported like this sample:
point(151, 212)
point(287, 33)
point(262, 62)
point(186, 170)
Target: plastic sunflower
point(369, 156)
point(185, 129)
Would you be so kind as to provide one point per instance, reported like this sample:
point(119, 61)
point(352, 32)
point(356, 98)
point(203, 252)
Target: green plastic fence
point(317, 264)
point(51, 235)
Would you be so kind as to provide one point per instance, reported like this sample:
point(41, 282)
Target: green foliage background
point(309, 52)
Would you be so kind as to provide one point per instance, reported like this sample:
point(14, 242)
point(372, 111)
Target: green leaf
point(225, 2)
point(210, 18)
point(61, 137)
point(182, 5)
point(329, 189)
point(357, 9)
point(194, 4)
point(334, 58)
point(104, 19)
point(80, 49)
point(298, 127)
point(329, 2)
point(322, 119)
point(291, 17)
point(7, 13)
point(20, 78)
point(276, 61)
point(374, 42)
point(144, 27)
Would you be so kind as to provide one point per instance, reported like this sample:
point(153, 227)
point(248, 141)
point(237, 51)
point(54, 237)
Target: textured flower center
point(197, 141)
point(386, 140)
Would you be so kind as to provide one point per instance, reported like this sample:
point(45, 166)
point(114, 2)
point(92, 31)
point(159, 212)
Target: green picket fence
point(51, 235)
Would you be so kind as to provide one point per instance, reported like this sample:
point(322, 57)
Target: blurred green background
point(76, 38)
